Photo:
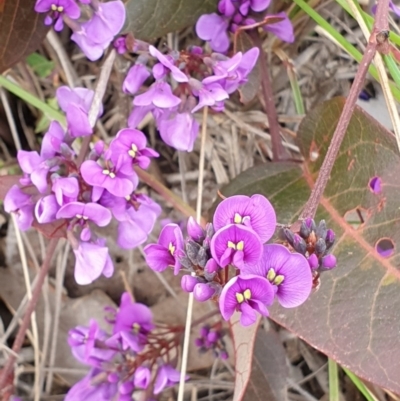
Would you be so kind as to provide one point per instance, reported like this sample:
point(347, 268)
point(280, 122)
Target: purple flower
point(142, 377)
point(255, 212)
point(66, 189)
point(113, 179)
point(194, 230)
point(179, 130)
point(237, 245)
point(46, 209)
point(288, 272)
point(167, 251)
point(133, 322)
point(131, 144)
point(84, 212)
point(92, 260)
point(213, 28)
point(159, 94)
point(255, 5)
point(20, 203)
point(167, 62)
point(56, 10)
point(166, 376)
point(226, 8)
point(208, 91)
point(36, 167)
point(138, 114)
point(246, 294)
point(76, 104)
point(52, 140)
point(107, 21)
point(135, 78)
point(120, 45)
point(282, 29)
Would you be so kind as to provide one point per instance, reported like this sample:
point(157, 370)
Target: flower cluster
point(235, 14)
point(198, 80)
point(56, 187)
point(236, 238)
point(211, 339)
point(95, 34)
point(135, 357)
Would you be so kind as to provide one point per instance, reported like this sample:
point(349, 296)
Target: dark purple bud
point(321, 230)
point(313, 261)
point(329, 261)
point(194, 230)
point(188, 282)
point(202, 257)
point(330, 238)
point(192, 250)
point(209, 230)
point(307, 226)
point(198, 342)
point(320, 246)
point(203, 292)
point(204, 331)
point(186, 263)
point(299, 244)
point(289, 236)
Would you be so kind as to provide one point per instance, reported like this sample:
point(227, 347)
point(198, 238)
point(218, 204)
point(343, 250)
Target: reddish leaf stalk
point(19, 339)
point(375, 43)
point(278, 151)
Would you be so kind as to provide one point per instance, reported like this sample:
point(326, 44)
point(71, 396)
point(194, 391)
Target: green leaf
point(354, 316)
point(40, 65)
point(150, 19)
point(21, 31)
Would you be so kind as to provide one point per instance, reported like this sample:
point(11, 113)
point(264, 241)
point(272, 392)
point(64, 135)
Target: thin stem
point(277, 148)
point(333, 380)
point(381, 25)
point(19, 339)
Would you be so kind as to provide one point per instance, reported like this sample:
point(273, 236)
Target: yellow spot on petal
point(271, 275)
point(112, 175)
point(247, 294)
point(79, 216)
point(171, 248)
point(239, 297)
point(240, 246)
point(279, 280)
point(85, 218)
point(106, 172)
point(54, 7)
point(237, 219)
point(128, 198)
point(231, 245)
point(132, 153)
point(60, 9)
point(136, 328)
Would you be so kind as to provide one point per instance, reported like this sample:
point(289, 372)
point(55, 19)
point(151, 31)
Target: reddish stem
point(379, 30)
point(19, 339)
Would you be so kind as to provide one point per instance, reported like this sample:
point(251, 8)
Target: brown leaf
point(22, 30)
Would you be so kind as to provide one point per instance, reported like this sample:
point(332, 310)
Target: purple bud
point(194, 230)
point(142, 377)
point(213, 336)
point(204, 331)
point(223, 355)
point(299, 244)
point(203, 292)
point(289, 236)
point(320, 246)
point(211, 266)
point(188, 282)
point(195, 50)
point(329, 261)
point(113, 378)
point(198, 342)
point(307, 226)
point(330, 238)
point(126, 388)
point(313, 261)
point(321, 230)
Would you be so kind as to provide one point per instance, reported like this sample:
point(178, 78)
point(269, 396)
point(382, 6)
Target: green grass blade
point(51, 113)
point(333, 380)
point(360, 385)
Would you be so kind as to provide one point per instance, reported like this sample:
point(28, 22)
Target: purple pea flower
point(66, 190)
point(18, 202)
point(213, 28)
point(56, 10)
point(282, 29)
point(226, 8)
point(135, 78)
point(46, 209)
point(142, 377)
point(255, 212)
point(167, 62)
point(167, 251)
point(133, 322)
point(208, 91)
point(159, 94)
point(52, 140)
point(131, 145)
point(246, 294)
point(255, 5)
point(76, 104)
point(36, 167)
point(120, 45)
point(119, 180)
point(166, 376)
point(288, 272)
point(237, 245)
point(178, 130)
point(92, 260)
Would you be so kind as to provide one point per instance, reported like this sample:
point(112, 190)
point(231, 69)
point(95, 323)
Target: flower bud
point(204, 331)
point(213, 337)
point(289, 236)
point(113, 378)
point(211, 266)
point(307, 226)
point(202, 257)
point(329, 261)
point(321, 230)
point(192, 250)
point(142, 377)
point(194, 230)
point(299, 244)
point(313, 261)
point(320, 246)
point(223, 355)
point(188, 282)
point(126, 388)
point(330, 238)
point(203, 292)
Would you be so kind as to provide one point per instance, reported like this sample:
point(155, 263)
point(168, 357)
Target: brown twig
point(379, 29)
point(278, 150)
point(19, 339)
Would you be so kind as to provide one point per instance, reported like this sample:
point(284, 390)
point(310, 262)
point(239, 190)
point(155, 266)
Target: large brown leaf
point(354, 317)
point(21, 31)
point(150, 19)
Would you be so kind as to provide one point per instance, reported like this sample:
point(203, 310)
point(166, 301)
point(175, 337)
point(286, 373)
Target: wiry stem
point(375, 43)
